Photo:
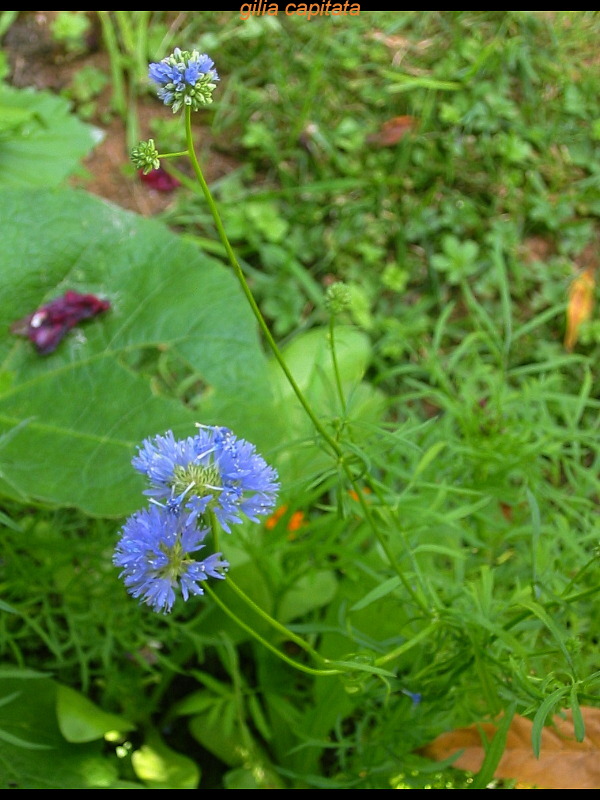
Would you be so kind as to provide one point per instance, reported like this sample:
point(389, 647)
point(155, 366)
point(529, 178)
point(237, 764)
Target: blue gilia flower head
point(211, 471)
point(154, 554)
point(184, 78)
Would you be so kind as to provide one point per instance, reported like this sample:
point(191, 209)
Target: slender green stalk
point(140, 50)
point(320, 428)
point(487, 684)
point(125, 27)
point(275, 624)
point(246, 289)
point(174, 155)
point(404, 648)
point(292, 663)
point(132, 128)
point(336, 369)
point(119, 97)
point(288, 634)
point(574, 580)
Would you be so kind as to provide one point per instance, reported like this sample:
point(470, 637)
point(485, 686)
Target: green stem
point(119, 93)
point(327, 437)
point(246, 289)
point(173, 155)
point(399, 651)
point(140, 50)
point(288, 634)
point(132, 128)
point(384, 545)
point(577, 577)
point(126, 30)
point(336, 370)
point(264, 642)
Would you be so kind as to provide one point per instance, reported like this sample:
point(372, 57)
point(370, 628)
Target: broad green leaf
point(220, 733)
point(33, 752)
point(41, 142)
point(80, 720)
point(78, 414)
point(240, 779)
point(223, 735)
point(309, 358)
point(252, 778)
point(311, 361)
point(12, 118)
point(160, 767)
point(311, 591)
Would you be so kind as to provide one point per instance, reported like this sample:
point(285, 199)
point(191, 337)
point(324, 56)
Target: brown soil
point(35, 59)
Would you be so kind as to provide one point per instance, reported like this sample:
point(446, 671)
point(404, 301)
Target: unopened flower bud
point(145, 156)
point(337, 298)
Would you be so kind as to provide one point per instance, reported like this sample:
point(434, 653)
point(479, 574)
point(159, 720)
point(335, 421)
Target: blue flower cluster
point(185, 79)
point(154, 554)
point(210, 474)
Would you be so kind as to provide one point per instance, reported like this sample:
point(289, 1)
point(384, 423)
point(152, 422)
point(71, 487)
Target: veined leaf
point(78, 413)
point(41, 142)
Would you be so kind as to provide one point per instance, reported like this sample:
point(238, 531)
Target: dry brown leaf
point(564, 763)
point(393, 130)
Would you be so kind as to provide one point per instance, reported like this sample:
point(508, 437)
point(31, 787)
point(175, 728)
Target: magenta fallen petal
point(47, 326)
point(160, 180)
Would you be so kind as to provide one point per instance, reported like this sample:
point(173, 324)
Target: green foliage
point(96, 397)
point(41, 142)
point(458, 260)
point(70, 29)
point(35, 755)
point(86, 85)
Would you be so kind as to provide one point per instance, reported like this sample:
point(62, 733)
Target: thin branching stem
point(333, 445)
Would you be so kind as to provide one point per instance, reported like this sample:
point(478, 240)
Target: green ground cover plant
point(386, 525)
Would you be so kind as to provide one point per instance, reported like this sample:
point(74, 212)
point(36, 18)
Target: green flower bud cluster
point(337, 298)
point(145, 156)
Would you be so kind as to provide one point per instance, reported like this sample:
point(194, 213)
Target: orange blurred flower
point(579, 308)
point(354, 495)
point(296, 520)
